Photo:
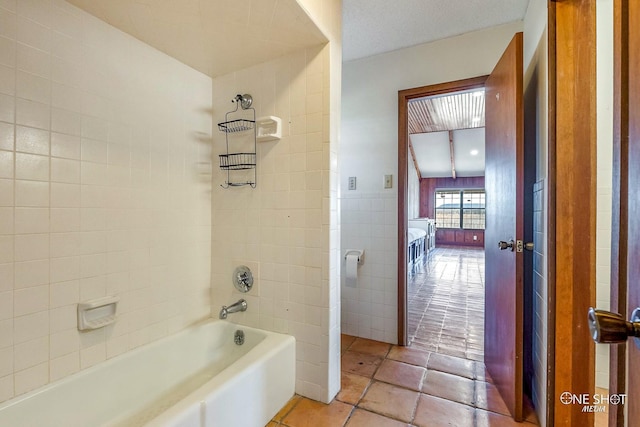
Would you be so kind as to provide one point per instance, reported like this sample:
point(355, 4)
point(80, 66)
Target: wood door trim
point(572, 187)
point(619, 231)
point(404, 96)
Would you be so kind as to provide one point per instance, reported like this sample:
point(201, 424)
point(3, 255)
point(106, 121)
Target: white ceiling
point(371, 27)
point(219, 36)
point(212, 36)
point(433, 154)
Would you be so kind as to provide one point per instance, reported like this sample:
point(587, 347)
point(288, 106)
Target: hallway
point(445, 293)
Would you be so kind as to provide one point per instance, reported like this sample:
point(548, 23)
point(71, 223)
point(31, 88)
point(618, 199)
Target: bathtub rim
point(145, 347)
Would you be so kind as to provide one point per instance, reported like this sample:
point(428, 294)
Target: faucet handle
point(242, 278)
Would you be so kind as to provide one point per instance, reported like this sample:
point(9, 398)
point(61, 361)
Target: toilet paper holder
point(359, 252)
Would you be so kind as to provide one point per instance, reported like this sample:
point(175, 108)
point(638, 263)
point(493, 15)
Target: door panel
point(633, 271)
point(619, 247)
point(504, 221)
point(625, 244)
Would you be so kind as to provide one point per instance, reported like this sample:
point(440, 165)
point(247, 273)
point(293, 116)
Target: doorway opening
point(446, 221)
point(452, 229)
point(417, 204)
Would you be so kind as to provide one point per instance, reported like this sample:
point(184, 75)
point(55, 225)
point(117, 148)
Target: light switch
point(352, 183)
point(388, 181)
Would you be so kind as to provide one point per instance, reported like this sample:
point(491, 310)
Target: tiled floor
point(445, 293)
point(438, 381)
point(385, 385)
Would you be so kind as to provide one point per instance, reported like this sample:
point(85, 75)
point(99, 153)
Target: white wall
point(100, 192)
point(369, 151)
point(604, 40)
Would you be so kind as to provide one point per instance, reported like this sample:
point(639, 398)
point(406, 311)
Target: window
point(448, 209)
point(473, 209)
point(460, 209)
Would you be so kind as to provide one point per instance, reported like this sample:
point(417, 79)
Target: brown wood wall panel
point(459, 237)
point(428, 187)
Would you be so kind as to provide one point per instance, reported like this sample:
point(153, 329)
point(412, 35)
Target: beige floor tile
point(451, 387)
point(352, 388)
point(362, 418)
point(345, 342)
point(436, 412)
point(360, 363)
point(409, 355)
point(452, 365)
point(401, 374)
point(366, 346)
point(390, 401)
point(309, 413)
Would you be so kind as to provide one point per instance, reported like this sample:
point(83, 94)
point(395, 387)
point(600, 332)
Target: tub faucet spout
point(241, 305)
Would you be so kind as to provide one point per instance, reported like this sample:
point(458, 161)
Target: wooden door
point(625, 274)
point(504, 184)
point(633, 239)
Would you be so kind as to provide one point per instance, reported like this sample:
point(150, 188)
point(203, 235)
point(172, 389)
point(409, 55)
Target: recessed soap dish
point(97, 313)
point(269, 128)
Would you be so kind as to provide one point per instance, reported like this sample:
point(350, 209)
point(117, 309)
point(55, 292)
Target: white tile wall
point(369, 222)
point(285, 229)
point(101, 138)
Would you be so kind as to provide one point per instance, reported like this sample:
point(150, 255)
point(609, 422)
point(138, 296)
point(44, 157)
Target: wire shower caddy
point(235, 161)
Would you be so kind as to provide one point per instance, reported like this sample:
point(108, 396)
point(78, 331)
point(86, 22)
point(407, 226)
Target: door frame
point(571, 216)
point(404, 96)
point(620, 206)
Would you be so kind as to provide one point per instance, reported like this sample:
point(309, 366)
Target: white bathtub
point(196, 378)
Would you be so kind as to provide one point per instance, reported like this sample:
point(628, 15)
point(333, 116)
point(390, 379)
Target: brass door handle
point(506, 245)
point(611, 328)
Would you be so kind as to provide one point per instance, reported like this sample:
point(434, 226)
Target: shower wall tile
point(281, 229)
point(31, 378)
point(102, 191)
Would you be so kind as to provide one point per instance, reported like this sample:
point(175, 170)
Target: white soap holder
point(269, 128)
point(97, 313)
